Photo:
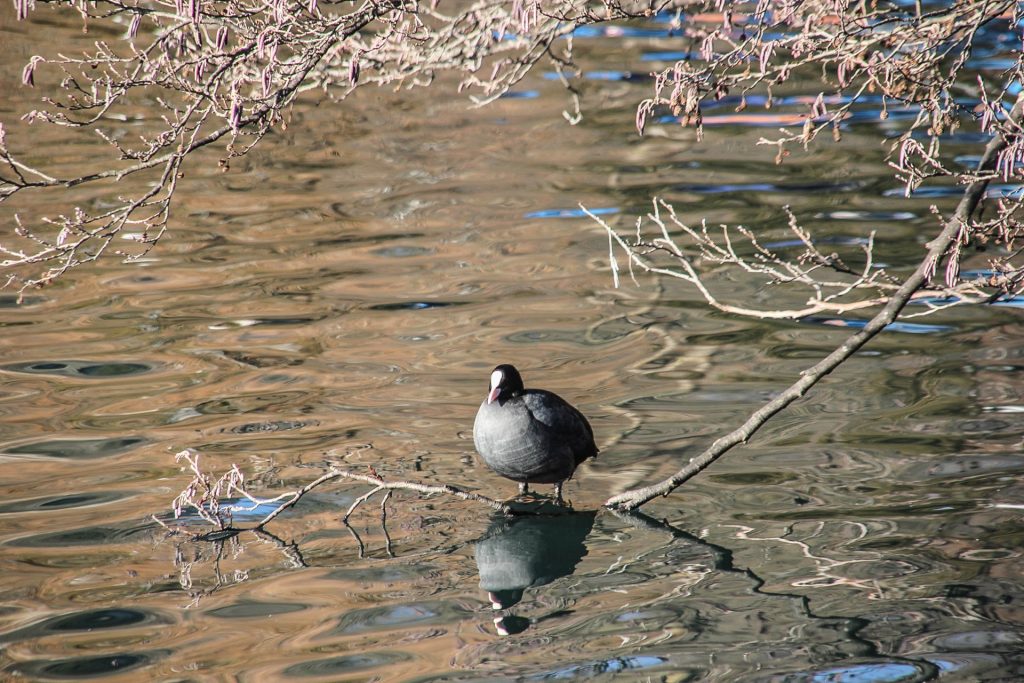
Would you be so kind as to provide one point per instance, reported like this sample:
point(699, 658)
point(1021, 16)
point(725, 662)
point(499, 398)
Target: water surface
point(340, 297)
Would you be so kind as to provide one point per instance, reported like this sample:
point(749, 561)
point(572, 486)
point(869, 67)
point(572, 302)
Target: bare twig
point(719, 249)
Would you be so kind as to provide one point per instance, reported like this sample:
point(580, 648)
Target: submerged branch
point(208, 498)
point(379, 484)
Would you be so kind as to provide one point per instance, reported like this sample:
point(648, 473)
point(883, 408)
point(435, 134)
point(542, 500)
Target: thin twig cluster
point(695, 255)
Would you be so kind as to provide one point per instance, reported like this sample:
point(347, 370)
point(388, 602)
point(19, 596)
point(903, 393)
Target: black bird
point(530, 436)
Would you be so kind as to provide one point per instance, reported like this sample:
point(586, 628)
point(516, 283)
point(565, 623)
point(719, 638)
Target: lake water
point(341, 295)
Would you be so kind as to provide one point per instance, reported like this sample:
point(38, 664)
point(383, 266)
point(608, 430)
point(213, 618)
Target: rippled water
point(341, 295)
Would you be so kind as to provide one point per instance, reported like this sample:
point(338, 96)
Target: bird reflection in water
point(527, 552)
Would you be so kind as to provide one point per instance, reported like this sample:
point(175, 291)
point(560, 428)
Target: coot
point(530, 436)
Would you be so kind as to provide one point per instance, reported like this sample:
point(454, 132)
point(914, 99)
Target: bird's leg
point(558, 493)
point(523, 488)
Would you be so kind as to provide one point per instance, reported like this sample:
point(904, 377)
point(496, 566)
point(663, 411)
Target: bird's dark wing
point(563, 420)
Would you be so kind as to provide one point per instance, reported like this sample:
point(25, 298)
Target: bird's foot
point(525, 495)
point(558, 497)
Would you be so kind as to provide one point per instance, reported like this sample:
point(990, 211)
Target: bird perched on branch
point(531, 436)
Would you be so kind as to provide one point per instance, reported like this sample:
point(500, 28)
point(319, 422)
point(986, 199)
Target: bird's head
point(505, 383)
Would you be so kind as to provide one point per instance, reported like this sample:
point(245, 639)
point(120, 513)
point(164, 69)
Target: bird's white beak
point(493, 396)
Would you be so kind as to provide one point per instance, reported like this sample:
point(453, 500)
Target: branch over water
point(940, 247)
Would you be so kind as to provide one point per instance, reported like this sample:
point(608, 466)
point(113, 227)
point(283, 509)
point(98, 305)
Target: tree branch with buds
point(941, 248)
point(224, 73)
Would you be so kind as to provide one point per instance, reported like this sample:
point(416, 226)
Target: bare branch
point(938, 249)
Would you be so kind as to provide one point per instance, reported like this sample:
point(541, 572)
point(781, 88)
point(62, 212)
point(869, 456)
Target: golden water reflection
point(341, 295)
